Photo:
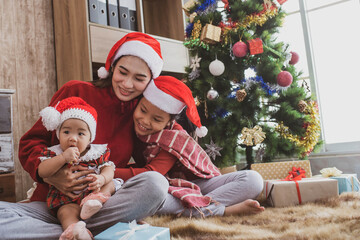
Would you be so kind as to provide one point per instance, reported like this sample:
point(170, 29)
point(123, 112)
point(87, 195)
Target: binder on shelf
point(132, 15)
point(93, 11)
point(124, 14)
point(113, 13)
point(102, 13)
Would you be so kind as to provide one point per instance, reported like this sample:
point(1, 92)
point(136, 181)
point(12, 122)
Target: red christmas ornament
point(240, 49)
point(284, 79)
point(294, 58)
point(255, 46)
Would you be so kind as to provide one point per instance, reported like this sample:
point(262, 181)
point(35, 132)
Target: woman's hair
point(105, 82)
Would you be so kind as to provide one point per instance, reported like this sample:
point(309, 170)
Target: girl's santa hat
point(136, 44)
point(171, 95)
point(72, 107)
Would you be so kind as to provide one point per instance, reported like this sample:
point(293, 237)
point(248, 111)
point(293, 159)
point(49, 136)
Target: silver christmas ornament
point(212, 94)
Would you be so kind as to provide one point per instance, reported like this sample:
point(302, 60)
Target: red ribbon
point(295, 175)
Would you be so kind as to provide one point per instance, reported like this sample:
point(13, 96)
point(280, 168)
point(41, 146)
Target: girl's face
point(149, 119)
point(130, 77)
point(74, 133)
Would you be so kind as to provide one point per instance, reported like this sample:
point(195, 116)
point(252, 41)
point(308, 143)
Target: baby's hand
point(97, 182)
point(71, 155)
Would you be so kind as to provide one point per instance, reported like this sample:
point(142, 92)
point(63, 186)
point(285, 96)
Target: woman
point(132, 62)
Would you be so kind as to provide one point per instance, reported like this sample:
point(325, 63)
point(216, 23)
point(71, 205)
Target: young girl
point(195, 183)
point(75, 124)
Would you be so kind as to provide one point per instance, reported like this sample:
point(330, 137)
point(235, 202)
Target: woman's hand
point(66, 180)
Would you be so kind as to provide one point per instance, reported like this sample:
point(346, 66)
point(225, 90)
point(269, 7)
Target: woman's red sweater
point(114, 127)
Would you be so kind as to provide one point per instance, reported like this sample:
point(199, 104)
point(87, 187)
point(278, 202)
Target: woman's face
point(74, 133)
point(130, 77)
point(149, 119)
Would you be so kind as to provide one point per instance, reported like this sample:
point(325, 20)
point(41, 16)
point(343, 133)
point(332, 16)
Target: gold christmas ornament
point(210, 34)
point(302, 105)
point(252, 137)
point(240, 95)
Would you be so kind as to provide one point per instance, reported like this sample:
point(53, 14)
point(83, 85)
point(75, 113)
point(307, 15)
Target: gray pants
point(139, 197)
point(226, 190)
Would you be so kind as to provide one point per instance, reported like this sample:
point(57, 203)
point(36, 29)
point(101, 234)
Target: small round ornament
point(240, 49)
point(294, 58)
point(284, 79)
point(240, 95)
point(216, 67)
point(212, 94)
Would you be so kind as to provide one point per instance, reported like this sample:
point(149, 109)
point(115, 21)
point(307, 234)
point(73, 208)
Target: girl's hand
point(71, 155)
point(66, 180)
point(98, 180)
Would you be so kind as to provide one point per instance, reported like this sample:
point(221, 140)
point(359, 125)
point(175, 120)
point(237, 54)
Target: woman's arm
point(162, 163)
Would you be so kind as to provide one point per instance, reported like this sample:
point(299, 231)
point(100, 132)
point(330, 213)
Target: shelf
point(81, 45)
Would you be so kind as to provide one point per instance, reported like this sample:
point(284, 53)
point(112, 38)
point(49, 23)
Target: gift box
point(133, 231)
point(210, 34)
point(189, 5)
point(255, 46)
point(346, 182)
point(287, 193)
point(280, 170)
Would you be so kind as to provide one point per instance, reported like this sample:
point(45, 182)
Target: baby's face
point(74, 133)
point(149, 119)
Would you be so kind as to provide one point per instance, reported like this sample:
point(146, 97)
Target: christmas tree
point(248, 92)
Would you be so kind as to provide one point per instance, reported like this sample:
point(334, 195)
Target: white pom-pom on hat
point(50, 118)
point(102, 73)
point(201, 132)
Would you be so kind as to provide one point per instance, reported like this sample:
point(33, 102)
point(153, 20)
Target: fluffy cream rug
point(335, 218)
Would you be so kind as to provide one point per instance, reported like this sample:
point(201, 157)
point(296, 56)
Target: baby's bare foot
point(248, 206)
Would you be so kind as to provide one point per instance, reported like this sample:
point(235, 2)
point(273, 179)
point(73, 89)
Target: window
point(326, 35)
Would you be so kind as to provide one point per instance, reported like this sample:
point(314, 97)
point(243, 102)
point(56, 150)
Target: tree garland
point(312, 134)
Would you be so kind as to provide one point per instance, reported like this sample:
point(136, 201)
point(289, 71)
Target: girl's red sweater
point(114, 127)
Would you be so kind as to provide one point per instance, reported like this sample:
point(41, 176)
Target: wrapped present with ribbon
point(346, 182)
point(210, 34)
point(280, 170)
point(255, 46)
point(286, 192)
point(134, 231)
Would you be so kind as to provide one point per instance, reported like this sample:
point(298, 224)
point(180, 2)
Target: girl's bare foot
point(248, 206)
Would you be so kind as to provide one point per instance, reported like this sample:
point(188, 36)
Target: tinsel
point(196, 43)
point(270, 90)
point(189, 29)
point(204, 8)
point(256, 19)
point(306, 142)
point(196, 31)
point(221, 113)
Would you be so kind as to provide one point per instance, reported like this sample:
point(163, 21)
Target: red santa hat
point(171, 95)
point(136, 44)
point(72, 107)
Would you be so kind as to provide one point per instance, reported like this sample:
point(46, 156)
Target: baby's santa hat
point(136, 44)
point(172, 95)
point(72, 107)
